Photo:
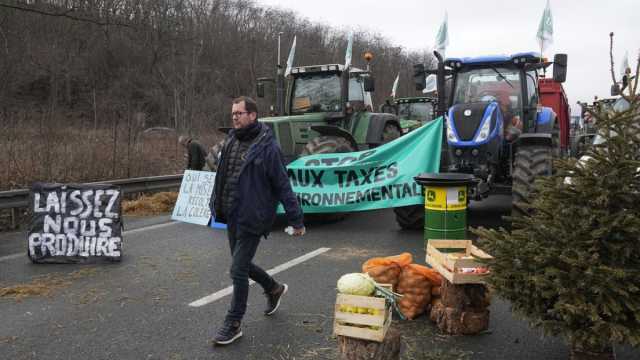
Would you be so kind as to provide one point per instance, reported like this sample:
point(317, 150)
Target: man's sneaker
point(273, 299)
point(228, 333)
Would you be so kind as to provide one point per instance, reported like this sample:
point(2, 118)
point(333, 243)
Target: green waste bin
point(445, 205)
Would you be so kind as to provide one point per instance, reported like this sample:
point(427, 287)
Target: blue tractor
point(496, 127)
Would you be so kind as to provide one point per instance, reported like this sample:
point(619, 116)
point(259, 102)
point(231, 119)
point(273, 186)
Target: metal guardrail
point(20, 198)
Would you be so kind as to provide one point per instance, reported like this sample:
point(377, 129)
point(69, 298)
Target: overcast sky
point(581, 30)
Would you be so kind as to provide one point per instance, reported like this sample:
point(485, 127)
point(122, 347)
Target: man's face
point(241, 118)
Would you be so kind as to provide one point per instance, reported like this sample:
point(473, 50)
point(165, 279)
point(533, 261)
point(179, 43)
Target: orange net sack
point(415, 284)
point(386, 270)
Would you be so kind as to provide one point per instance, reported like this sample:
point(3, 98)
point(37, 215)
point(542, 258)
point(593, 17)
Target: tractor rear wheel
point(530, 163)
point(213, 157)
point(410, 217)
point(390, 133)
point(327, 145)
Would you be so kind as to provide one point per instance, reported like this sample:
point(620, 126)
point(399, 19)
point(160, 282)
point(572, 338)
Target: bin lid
point(444, 179)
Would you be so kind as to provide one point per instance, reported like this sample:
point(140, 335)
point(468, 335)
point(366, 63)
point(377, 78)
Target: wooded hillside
point(81, 80)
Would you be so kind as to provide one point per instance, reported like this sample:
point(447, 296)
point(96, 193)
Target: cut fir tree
point(572, 265)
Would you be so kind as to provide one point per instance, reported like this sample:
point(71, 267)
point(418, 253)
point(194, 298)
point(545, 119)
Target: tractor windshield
point(316, 93)
point(499, 84)
point(422, 111)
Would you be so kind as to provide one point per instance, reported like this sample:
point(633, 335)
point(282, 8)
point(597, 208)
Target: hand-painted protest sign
point(192, 205)
point(381, 177)
point(74, 223)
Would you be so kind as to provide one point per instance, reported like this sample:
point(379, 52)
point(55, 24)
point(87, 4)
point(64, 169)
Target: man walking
point(250, 182)
point(196, 153)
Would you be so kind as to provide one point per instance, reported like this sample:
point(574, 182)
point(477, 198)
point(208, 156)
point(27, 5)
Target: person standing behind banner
point(250, 182)
point(196, 153)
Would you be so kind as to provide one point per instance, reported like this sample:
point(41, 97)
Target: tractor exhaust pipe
point(440, 80)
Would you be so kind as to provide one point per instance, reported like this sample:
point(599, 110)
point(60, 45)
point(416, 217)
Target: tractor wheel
point(213, 157)
point(390, 133)
point(326, 145)
point(555, 139)
point(530, 163)
point(410, 217)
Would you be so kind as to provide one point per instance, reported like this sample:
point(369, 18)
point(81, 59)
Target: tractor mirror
point(260, 89)
point(560, 68)
point(369, 84)
point(615, 90)
point(419, 78)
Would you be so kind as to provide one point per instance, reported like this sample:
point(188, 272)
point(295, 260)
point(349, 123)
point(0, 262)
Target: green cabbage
point(356, 284)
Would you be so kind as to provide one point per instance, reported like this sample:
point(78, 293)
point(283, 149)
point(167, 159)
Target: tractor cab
point(328, 89)
point(414, 112)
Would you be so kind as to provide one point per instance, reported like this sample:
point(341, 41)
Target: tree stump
point(359, 349)
point(462, 309)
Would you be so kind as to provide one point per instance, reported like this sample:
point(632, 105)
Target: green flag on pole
point(545, 29)
point(395, 86)
point(625, 64)
point(442, 38)
point(347, 56)
point(292, 53)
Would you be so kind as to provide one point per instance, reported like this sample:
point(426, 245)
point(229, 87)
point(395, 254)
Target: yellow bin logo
point(446, 198)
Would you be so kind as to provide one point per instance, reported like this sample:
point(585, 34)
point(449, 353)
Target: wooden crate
point(348, 324)
point(449, 257)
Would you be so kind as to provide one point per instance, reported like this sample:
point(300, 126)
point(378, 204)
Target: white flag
point(347, 56)
point(442, 38)
point(292, 53)
point(430, 84)
point(395, 86)
point(625, 64)
point(545, 29)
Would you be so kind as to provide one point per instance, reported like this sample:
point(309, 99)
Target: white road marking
point(14, 256)
point(150, 227)
point(227, 291)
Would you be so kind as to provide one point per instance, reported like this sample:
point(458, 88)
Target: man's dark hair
point(249, 104)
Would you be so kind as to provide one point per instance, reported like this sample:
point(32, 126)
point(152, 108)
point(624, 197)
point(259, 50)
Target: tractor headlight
point(451, 136)
point(483, 134)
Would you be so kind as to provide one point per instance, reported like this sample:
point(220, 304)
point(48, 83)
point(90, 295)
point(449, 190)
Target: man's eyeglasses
point(239, 113)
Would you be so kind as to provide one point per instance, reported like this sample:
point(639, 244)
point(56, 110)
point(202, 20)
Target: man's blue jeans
point(243, 248)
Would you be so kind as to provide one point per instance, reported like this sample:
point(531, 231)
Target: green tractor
point(328, 109)
point(412, 112)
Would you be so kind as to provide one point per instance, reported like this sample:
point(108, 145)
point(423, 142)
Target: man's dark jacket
point(196, 155)
point(262, 184)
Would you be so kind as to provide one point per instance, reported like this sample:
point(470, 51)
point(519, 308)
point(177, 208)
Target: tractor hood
point(294, 132)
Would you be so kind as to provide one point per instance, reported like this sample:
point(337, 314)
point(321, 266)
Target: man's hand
point(295, 232)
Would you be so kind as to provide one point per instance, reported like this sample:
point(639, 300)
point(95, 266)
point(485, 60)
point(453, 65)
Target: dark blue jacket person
point(250, 182)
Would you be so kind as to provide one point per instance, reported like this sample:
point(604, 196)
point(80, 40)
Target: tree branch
point(613, 73)
point(66, 14)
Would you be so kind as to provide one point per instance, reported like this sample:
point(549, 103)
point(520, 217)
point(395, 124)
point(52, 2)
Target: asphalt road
point(139, 308)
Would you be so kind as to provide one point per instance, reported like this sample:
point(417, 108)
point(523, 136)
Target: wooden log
point(465, 296)
point(462, 309)
point(358, 349)
point(454, 321)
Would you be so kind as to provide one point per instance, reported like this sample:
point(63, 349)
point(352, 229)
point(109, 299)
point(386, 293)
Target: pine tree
point(572, 267)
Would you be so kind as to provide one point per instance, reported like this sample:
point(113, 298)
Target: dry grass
point(159, 203)
point(70, 150)
point(44, 285)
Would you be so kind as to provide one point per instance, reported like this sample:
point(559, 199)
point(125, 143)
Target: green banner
point(371, 179)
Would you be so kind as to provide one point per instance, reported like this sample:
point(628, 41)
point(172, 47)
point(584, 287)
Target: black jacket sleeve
point(282, 186)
